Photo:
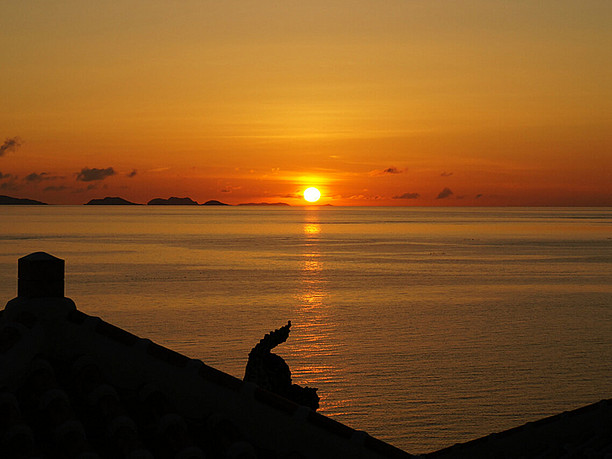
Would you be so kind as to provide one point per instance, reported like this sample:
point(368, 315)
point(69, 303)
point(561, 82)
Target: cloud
point(446, 174)
point(388, 171)
point(89, 175)
point(408, 196)
point(229, 188)
point(158, 169)
point(37, 178)
point(445, 193)
point(479, 195)
point(10, 145)
point(34, 177)
point(11, 185)
point(4, 176)
point(56, 188)
point(132, 174)
point(362, 197)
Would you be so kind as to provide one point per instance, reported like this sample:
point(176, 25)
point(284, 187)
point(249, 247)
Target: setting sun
point(312, 194)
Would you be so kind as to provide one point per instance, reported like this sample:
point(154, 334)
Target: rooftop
point(73, 385)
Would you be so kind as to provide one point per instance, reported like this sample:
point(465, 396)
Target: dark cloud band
point(445, 193)
point(90, 175)
point(407, 196)
point(10, 145)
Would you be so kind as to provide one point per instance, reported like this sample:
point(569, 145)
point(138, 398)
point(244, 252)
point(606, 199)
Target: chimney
point(40, 275)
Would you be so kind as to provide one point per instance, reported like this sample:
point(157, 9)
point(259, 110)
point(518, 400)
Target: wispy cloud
point(445, 193)
point(407, 196)
point(34, 177)
point(10, 145)
point(446, 174)
point(55, 188)
point(388, 171)
point(37, 178)
point(11, 185)
point(90, 175)
point(479, 195)
point(132, 174)
point(4, 176)
point(363, 197)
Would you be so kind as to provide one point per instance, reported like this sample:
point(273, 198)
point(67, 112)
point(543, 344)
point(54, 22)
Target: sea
point(422, 326)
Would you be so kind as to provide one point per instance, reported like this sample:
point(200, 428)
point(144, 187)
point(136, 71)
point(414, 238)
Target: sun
point(312, 194)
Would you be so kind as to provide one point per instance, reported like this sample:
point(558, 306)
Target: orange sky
point(373, 102)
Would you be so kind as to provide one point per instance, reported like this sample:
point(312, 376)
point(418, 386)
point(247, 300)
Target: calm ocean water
point(423, 327)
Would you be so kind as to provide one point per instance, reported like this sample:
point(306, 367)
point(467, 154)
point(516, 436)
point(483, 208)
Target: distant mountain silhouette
point(214, 202)
point(111, 201)
point(264, 204)
point(173, 201)
point(7, 200)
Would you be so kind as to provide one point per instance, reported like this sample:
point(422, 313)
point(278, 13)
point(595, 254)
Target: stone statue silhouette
point(270, 371)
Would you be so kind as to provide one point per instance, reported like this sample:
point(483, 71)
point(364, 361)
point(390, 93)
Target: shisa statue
point(270, 371)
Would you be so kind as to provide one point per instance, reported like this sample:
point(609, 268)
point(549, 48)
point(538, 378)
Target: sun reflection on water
point(315, 339)
point(312, 228)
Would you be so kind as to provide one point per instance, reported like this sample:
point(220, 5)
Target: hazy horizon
point(304, 205)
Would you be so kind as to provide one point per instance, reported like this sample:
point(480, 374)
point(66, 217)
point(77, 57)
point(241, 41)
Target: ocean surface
point(422, 326)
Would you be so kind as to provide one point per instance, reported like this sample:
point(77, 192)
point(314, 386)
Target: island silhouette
point(8, 200)
point(173, 201)
point(119, 201)
point(111, 201)
point(214, 202)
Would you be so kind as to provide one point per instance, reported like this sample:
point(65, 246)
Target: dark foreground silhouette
point(270, 371)
point(75, 386)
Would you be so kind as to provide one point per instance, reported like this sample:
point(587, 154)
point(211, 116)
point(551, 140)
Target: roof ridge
point(195, 388)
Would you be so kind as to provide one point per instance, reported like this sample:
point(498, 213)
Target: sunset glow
point(404, 104)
